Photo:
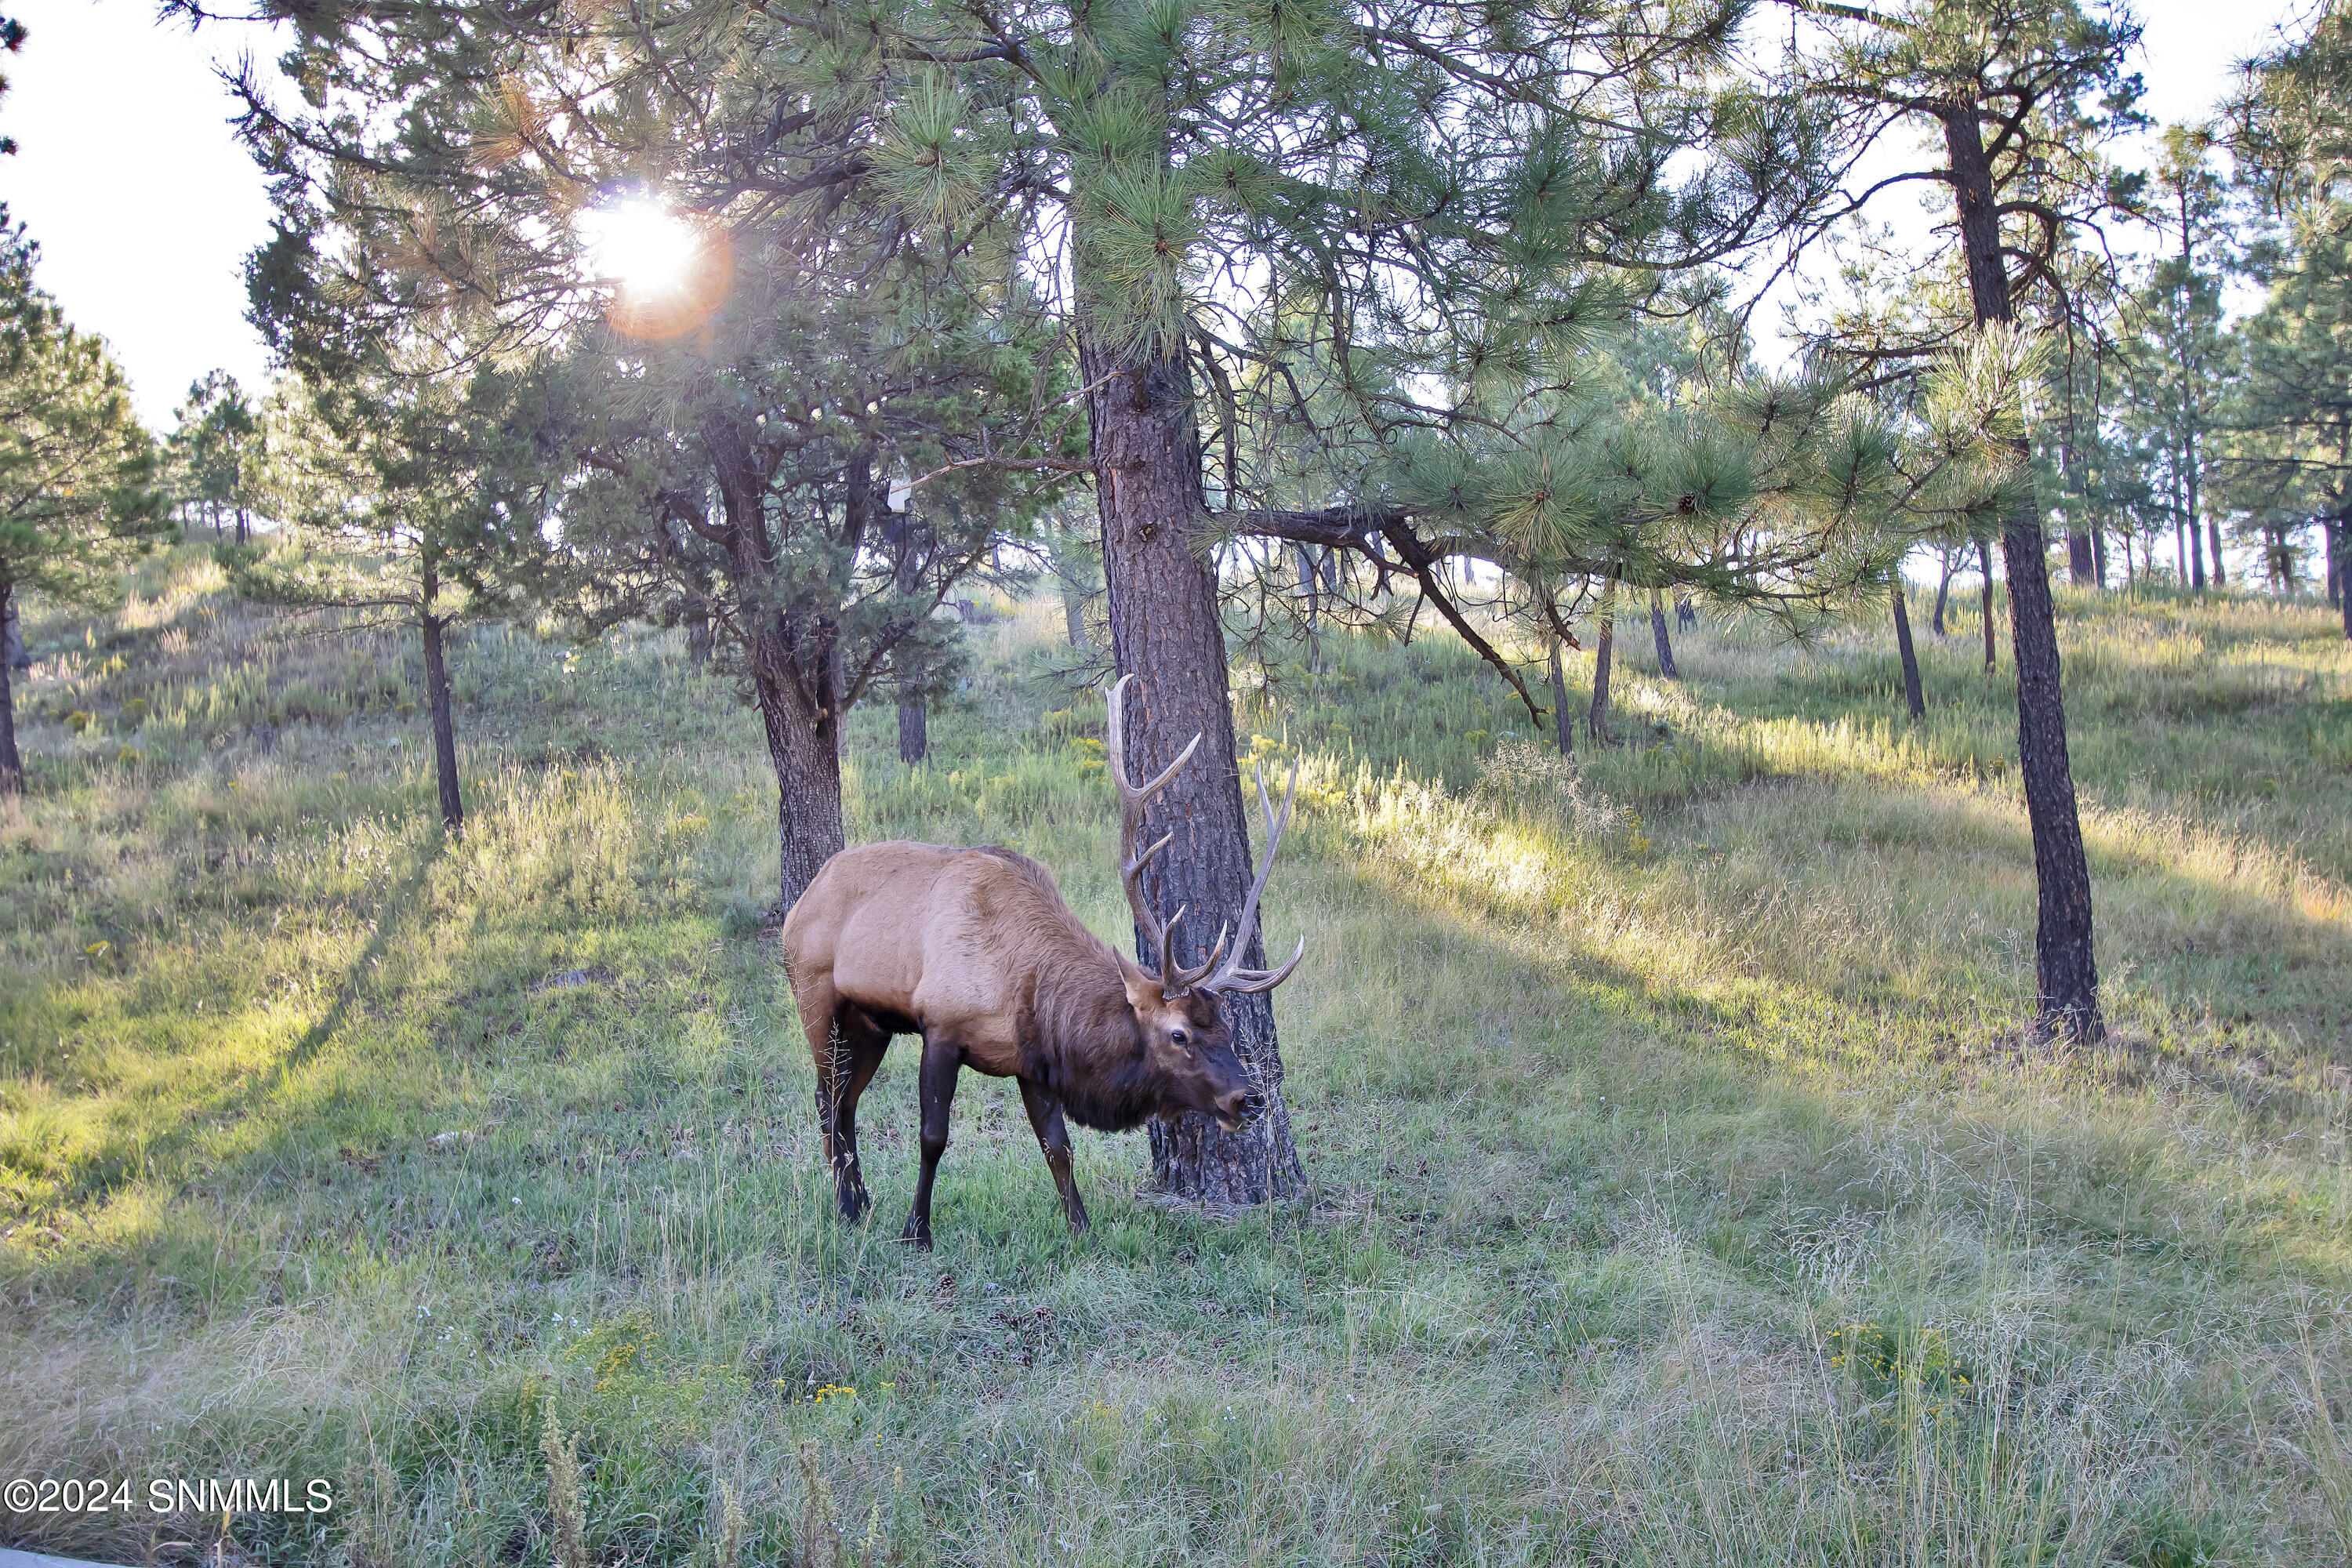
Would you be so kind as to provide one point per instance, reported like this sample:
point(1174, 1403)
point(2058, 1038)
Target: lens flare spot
point(667, 270)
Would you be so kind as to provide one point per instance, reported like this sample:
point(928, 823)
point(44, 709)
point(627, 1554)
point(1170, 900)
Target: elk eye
point(1180, 1037)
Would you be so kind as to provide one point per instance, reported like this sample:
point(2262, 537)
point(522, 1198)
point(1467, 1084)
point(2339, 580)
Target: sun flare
point(641, 245)
point(666, 271)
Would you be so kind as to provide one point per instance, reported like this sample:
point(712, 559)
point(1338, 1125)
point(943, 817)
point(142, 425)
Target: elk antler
point(1233, 977)
point(1173, 981)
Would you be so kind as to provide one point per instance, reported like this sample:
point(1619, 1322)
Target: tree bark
point(914, 714)
point(2078, 556)
point(1309, 582)
point(12, 766)
point(1984, 560)
point(1074, 617)
point(698, 641)
point(436, 703)
point(1943, 594)
point(1911, 693)
point(914, 731)
point(2196, 538)
point(794, 666)
point(1165, 630)
point(2339, 553)
point(2065, 962)
point(2099, 558)
point(1597, 721)
point(805, 753)
point(1563, 727)
point(1658, 634)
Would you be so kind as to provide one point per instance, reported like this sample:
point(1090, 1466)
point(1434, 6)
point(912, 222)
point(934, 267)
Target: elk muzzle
point(1239, 1109)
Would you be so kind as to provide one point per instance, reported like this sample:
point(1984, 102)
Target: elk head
point(1183, 1029)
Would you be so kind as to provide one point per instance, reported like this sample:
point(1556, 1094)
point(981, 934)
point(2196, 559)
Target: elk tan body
point(975, 951)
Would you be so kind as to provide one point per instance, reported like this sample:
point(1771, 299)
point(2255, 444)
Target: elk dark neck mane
point(1078, 1035)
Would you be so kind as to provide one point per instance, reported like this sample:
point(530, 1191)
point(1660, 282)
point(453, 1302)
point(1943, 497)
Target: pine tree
point(12, 38)
point(2290, 444)
point(740, 358)
point(214, 455)
point(387, 489)
point(79, 496)
point(2176, 350)
point(2014, 93)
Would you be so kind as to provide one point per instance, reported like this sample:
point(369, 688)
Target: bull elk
point(975, 951)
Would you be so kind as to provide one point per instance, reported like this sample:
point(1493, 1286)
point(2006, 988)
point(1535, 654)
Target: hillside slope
point(1686, 1191)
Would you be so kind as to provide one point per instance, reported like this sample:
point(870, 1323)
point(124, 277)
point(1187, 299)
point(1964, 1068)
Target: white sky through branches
point(145, 206)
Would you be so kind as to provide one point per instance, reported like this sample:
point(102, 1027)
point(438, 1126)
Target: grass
point(1686, 1191)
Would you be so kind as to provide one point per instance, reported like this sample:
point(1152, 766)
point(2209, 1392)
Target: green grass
point(1686, 1192)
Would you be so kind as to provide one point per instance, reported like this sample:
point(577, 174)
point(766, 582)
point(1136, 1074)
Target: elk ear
point(1143, 992)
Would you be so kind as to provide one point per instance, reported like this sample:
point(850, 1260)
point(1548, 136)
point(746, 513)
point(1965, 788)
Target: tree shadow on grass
point(94, 1179)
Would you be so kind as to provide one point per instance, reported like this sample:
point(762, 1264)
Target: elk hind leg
point(1053, 1138)
point(942, 1060)
point(846, 1049)
point(862, 1044)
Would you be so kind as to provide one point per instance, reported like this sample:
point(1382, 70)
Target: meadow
point(1687, 1187)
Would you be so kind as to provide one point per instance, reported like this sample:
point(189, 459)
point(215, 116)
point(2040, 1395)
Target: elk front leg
point(1053, 1138)
point(942, 1060)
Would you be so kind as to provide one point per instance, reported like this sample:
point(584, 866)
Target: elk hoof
point(854, 1203)
point(918, 1236)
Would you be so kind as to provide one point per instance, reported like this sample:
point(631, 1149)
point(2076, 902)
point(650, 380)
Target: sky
point(129, 175)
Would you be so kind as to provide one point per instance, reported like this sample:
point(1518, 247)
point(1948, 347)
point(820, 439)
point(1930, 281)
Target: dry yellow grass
point(1684, 1194)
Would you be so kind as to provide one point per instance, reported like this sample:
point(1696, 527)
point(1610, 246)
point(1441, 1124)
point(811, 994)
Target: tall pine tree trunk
point(1943, 593)
point(1165, 630)
point(2339, 553)
point(914, 714)
point(1563, 727)
point(2065, 964)
point(1597, 721)
point(1309, 580)
point(2221, 571)
point(12, 633)
point(2099, 558)
point(2078, 555)
point(436, 703)
point(1911, 694)
point(1984, 561)
point(12, 766)
point(2184, 497)
point(1658, 634)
